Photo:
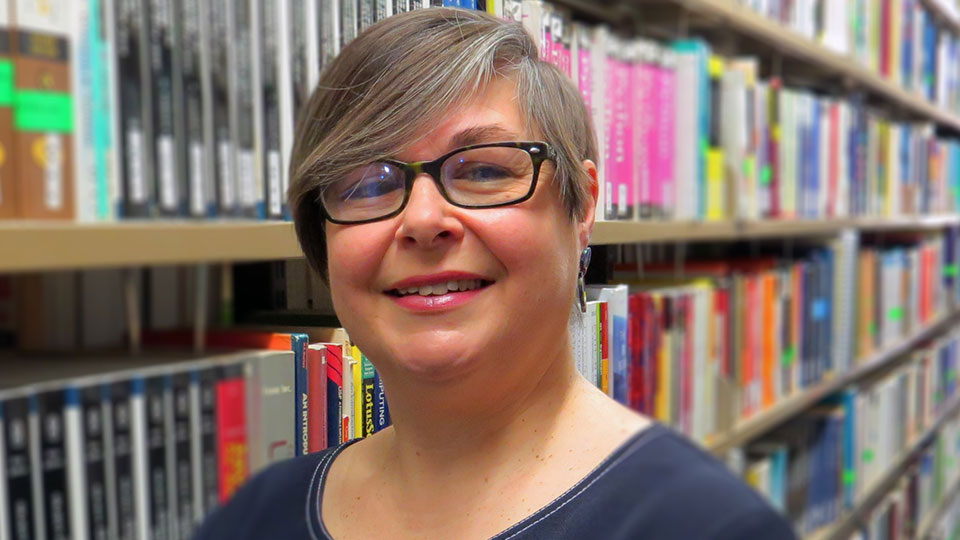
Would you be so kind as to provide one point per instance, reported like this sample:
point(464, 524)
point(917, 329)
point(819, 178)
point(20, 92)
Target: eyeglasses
point(477, 176)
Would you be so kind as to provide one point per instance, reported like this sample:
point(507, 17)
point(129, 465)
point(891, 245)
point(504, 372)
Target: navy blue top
point(656, 485)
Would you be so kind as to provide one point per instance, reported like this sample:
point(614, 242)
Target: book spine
point(369, 390)
point(382, 412)
point(118, 431)
point(51, 423)
point(132, 96)
point(231, 428)
point(220, 117)
point(42, 116)
point(207, 468)
point(334, 395)
point(317, 397)
point(299, 384)
point(157, 484)
point(196, 145)
point(268, 97)
point(19, 511)
point(182, 505)
point(241, 109)
point(78, 505)
point(280, 375)
point(8, 179)
point(347, 398)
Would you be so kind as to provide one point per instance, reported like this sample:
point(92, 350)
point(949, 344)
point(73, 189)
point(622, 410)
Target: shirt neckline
point(318, 529)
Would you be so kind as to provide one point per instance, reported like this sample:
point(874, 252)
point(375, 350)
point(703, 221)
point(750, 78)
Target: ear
point(590, 212)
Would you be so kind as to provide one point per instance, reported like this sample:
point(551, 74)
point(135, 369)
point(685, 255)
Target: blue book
point(381, 411)
point(298, 343)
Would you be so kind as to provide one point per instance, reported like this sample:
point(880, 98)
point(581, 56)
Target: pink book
point(647, 119)
point(624, 118)
point(612, 155)
point(584, 71)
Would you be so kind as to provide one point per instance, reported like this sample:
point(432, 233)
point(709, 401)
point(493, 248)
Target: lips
point(437, 291)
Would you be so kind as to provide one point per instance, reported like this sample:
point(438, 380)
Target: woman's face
point(523, 257)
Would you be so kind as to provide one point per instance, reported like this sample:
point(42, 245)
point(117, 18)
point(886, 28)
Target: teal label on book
point(6, 83)
point(867, 455)
point(951, 270)
point(38, 110)
point(895, 314)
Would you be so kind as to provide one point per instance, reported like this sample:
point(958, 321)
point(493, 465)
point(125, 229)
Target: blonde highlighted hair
point(385, 89)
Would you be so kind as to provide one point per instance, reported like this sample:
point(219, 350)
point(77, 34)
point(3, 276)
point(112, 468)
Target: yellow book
point(604, 359)
point(716, 203)
point(356, 371)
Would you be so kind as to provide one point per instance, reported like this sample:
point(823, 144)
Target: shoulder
point(658, 485)
point(692, 494)
point(272, 504)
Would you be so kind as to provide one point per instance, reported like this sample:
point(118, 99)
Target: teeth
point(442, 288)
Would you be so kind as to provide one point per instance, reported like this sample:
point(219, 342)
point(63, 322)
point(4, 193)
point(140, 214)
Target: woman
point(444, 182)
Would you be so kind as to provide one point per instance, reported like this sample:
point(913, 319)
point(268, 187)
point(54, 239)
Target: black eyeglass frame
point(537, 150)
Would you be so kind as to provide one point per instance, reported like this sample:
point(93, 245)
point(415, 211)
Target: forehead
point(492, 115)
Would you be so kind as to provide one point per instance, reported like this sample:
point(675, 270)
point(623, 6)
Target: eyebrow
point(482, 134)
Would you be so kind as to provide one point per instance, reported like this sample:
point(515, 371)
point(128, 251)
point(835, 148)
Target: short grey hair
point(399, 76)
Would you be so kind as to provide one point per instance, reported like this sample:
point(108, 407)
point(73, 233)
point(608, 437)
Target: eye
point(480, 172)
point(375, 180)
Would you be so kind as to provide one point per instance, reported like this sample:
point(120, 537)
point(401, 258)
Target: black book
point(193, 145)
point(134, 98)
point(17, 449)
point(121, 496)
point(154, 396)
point(182, 450)
point(271, 169)
point(249, 185)
point(219, 117)
point(50, 423)
point(209, 496)
point(164, 60)
point(94, 457)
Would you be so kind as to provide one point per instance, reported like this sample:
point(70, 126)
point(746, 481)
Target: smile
point(438, 289)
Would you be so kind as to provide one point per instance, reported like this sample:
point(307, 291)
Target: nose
point(428, 221)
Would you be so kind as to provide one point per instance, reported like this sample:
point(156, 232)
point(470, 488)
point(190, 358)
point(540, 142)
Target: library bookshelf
point(850, 520)
point(924, 528)
point(765, 421)
point(29, 246)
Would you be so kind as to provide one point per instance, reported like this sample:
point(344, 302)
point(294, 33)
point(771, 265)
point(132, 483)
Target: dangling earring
point(581, 289)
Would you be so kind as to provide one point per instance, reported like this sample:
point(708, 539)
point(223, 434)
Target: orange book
point(768, 323)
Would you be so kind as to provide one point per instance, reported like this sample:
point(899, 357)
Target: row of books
point(826, 461)
point(707, 343)
point(901, 40)
point(145, 447)
point(149, 108)
point(678, 118)
point(902, 512)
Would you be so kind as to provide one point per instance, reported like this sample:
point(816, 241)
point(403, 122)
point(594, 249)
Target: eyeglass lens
point(478, 177)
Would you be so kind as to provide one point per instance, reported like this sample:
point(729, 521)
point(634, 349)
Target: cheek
point(354, 255)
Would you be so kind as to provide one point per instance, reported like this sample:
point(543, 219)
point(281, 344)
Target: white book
point(76, 465)
point(141, 480)
point(592, 342)
point(687, 134)
point(81, 81)
point(346, 409)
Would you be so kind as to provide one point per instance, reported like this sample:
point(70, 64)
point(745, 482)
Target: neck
point(454, 431)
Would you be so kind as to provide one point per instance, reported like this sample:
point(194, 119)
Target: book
point(43, 126)
point(8, 197)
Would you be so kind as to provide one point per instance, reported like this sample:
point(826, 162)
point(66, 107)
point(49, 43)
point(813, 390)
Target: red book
point(231, 434)
point(317, 400)
point(634, 339)
point(335, 428)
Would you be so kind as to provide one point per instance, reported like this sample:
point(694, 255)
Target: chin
point(437, 363)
